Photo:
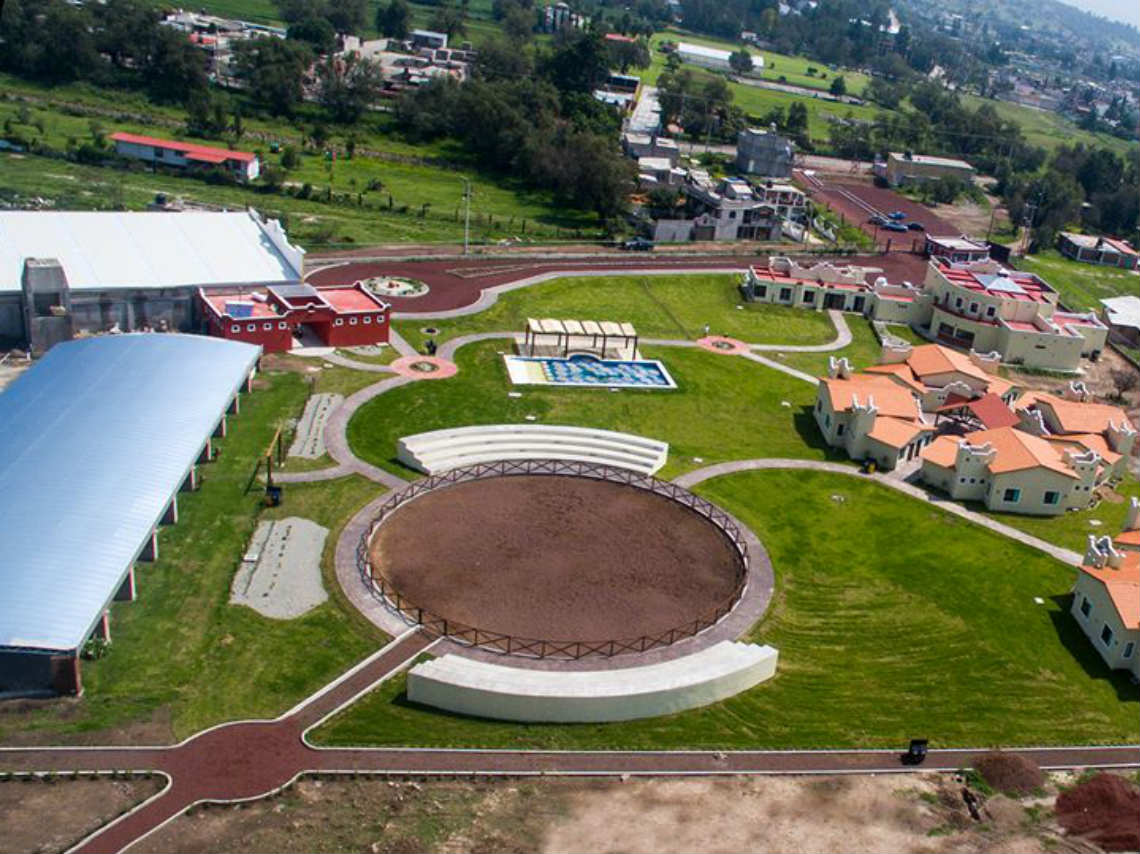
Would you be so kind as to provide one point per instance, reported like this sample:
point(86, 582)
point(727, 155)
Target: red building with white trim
point(347, 316)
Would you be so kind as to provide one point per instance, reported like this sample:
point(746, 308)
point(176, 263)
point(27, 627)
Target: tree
point(450, 19)
point(348, 85)
point(1124, 381)
point(393, 19)
point(174, 68)
point(273, 71)
point(579, 63)
point(347, 16)
point(499, 59)
point(796, 125)
point(740, 61)
point(124, 31)
point(318, 33)
point(838, 86)
point(518, 24)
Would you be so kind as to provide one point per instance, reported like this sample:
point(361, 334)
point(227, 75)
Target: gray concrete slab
point(309, 439)
point(280, 574)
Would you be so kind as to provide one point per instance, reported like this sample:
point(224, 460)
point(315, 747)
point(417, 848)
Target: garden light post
point(466, 214)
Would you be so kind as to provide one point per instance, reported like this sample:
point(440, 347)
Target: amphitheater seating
point(441, 450)
point(471, 687)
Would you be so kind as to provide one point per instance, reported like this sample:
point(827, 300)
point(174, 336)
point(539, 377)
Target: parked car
point(916, 226)
point(895, 226)
point(638, 244)
point(896, 215)
point(877, 220)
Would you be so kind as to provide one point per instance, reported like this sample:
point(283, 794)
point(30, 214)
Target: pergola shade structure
point(550, 337)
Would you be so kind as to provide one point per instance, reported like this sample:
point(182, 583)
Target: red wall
point(349, 335)
point(273, 340)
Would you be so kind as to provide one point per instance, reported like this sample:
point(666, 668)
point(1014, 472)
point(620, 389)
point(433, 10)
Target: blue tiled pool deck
point(584, 370)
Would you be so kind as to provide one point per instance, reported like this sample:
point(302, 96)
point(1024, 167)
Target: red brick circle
point(442, 368)
point(724, 346)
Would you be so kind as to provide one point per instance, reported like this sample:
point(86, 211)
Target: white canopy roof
point(153, 249)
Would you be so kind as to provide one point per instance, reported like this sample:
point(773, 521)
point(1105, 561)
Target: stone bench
point(488, 690)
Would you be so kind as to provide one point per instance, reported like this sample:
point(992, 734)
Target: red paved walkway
point(458, 283)
point(250, 759)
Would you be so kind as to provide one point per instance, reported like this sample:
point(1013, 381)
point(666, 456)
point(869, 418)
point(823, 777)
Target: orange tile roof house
point(186, 155)
point(1098, 427)
point(1106, 596)
point(871, 416)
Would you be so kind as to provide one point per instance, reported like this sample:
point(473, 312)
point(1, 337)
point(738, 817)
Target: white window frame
point(235, 328)
point(367, 318)
point(352, 321)
point(282, 324)
point(251, 327)
point(338, 322)
point(267, 326)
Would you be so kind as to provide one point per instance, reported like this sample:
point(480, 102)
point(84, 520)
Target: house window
point(1086, 607)
point(819, 406)
point(991, 311)
point(973, 308)
point(235, 328)
point(251, 327)
point(1106, 635)
point(281, 324)
point(809, 297)
point(338, 322)
point(839, 429)
point(1129, 648)
point(267, 326)
point(761, 291)
point(1052, 497)
point(1011, 496)
point(785, 294)
point(827, 420)
point(961, 480)
point(958, 302)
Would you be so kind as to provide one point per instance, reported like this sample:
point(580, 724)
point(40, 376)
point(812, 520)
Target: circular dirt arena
point(557, 558)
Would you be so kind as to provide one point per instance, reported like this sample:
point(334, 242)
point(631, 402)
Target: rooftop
point(155, 249)
point(928, 160)
point(1091, 241)
point(1005, 284)
point(193, 151)
point(97, 437)
point(1123, 311)
point(1123, 586)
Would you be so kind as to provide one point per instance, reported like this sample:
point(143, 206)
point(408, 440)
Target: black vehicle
point(638, 244)
point(916, 226)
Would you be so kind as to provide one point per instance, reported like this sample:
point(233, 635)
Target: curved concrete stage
point(442, 450)
point(466, 686)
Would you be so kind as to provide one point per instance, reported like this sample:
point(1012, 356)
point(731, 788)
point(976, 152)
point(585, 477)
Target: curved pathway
point(249, 759)
point(345, 362)
point(694, 477)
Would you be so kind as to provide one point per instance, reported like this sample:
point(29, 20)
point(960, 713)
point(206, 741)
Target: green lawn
point(725, 408)
point(1081, 286)
point(181, 652)
point(1048, 129)
point(863, 351)
point(1071, 530)
point(665, 306)
point(881, 638)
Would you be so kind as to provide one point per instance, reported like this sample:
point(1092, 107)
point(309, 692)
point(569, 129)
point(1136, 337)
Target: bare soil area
point(971, 218)
point(557, 558)
point(45, 816)
point(919, 813)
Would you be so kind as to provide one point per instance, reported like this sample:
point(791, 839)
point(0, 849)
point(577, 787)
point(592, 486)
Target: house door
point(834, 301)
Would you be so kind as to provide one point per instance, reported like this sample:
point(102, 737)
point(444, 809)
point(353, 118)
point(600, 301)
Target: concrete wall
point(1033, 483)
point(514, 694)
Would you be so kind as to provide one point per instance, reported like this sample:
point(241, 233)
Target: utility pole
point(466, 215)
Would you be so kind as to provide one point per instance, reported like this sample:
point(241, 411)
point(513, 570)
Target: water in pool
point(582, 370)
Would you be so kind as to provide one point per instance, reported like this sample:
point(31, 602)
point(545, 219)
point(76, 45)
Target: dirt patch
point(557, 558)
point(1097, 377)
point(1010, 773)
point(21, 724)
point(970, 218)
point(1104, 809)
point(920, 813)
point(53, 816)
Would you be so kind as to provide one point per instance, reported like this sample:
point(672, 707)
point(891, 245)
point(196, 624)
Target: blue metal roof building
point(95, 441)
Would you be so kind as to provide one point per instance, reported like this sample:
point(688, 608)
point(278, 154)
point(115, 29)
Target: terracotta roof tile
point(896, 432)
point(1123, 586)
point(890, 399)
point(928, 359)
point(943, 451)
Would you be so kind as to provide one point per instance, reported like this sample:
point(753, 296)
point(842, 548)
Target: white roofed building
point(70, 271)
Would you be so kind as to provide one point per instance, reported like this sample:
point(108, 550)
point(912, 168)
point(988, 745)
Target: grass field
point(1081, 286)
point(1048, 129)
point(724, 408)
point(665, 306)
point(863, 350)
point(181, 653)
point(934, 633)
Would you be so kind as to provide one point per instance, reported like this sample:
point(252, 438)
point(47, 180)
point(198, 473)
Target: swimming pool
point(582, 370)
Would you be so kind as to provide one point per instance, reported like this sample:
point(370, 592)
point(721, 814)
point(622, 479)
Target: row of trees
point(529, 113)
